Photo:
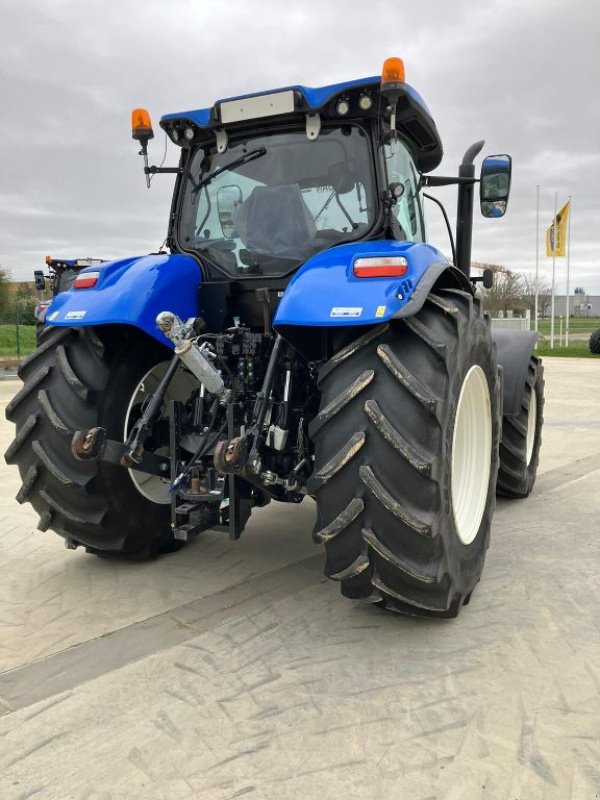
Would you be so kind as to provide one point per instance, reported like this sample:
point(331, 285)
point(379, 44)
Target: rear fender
point(513, 352)
point(326, 293)
point(132, 291)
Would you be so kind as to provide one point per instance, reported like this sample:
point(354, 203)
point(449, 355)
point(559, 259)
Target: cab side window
point(401, 169)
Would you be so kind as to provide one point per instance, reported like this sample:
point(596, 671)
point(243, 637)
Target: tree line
point(16, 305)
point(515, 292)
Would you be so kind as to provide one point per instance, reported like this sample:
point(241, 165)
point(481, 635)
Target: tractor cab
point(269, 180)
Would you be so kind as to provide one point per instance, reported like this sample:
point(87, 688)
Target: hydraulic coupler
point(189, 352)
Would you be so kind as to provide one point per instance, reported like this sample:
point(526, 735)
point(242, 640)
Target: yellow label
point(380, 311)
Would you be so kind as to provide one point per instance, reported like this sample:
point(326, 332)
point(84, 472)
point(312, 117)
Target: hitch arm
point(134, 447)
point(94, 446)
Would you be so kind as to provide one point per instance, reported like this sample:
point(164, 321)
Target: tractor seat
point(276, 221)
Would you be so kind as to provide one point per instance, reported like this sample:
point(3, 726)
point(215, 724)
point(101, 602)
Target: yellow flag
point(556, 234)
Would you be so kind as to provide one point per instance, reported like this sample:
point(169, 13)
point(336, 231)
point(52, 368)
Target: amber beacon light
point(141, 125)
point(392, 72)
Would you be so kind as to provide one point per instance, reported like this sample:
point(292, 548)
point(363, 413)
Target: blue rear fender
point(325, 291)
point(132, 291)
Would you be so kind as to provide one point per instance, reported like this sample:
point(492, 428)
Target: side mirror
point(40, 280)
point(494, 186)
point(487, 279)
point(228, 199)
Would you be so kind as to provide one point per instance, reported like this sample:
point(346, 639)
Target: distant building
point(580, 305)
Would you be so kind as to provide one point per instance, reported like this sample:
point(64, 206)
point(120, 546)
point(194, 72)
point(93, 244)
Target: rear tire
point(398, 528)
point(73, 382)
point(522, 437)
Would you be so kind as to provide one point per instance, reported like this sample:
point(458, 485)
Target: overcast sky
point(524, 76)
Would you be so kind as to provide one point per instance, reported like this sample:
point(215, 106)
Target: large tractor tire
point(74, 382)
point(522, 437)
point(406, 458)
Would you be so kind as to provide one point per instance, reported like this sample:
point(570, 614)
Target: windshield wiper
point(237, 162)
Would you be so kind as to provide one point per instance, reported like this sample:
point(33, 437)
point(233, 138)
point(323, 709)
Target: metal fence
point(511, 323)
point(17, 336)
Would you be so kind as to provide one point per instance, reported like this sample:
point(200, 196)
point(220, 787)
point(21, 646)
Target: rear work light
point(86, 280)
point(380, 267)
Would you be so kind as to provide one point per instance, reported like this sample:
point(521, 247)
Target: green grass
point(575, 350)
point(8, 340)
point(576, 325)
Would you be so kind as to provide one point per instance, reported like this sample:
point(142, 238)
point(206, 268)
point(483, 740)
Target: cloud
point(520, 75)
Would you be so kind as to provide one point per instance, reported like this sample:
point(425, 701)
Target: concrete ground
point(235, 670)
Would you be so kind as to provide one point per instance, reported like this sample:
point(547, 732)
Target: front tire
point(74, 382)
point(404, 483)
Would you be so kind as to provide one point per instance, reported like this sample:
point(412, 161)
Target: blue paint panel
point(132, 291)
point(326, 282)
point(201, 116)
point(315, 98)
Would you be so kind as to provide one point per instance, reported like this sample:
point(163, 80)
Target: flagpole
point(568, 312)
point(553, 273)
point(537, 253)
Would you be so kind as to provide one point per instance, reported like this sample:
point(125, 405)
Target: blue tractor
point(297, 337)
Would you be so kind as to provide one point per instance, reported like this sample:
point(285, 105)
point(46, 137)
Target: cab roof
point(294, 103)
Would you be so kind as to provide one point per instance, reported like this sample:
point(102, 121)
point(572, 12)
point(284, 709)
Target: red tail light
point(86, 280)
point(380, 267)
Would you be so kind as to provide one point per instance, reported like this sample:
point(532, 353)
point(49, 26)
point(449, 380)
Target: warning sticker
point(380, 311)
point(346, 311)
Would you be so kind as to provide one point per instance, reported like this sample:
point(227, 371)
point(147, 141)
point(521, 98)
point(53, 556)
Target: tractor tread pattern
point(380, 459)
point(351, 350)
point(82, 501)
point(54, 418)
point(410, 382)
point(417, 459)
point(28, 482)
point(24, 393)
point(370, 480)
point(398, 563)
point(341, 522)
point(22, 436)
point(340, 401)
point(68, 373)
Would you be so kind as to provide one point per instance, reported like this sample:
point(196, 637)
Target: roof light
point(175, 135)
point(86, 280)
point(189, 134)
point(342, 107)
point(141, 126)
point(393, 71)
point(48, 259)
point(380, 267)
point(365, 102)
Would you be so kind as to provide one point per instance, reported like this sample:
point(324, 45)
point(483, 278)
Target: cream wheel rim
point(531, 425)
point(471, 455)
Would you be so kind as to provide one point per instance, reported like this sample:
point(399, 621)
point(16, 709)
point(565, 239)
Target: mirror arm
point(440, 180)
point(161, 170)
